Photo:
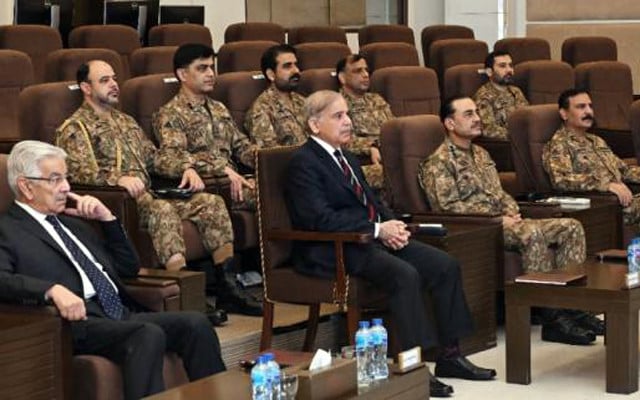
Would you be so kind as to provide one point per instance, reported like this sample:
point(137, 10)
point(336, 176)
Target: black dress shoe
point(461, 367)
point(235, 300)
point(590, 322)
point(565, 330)
point(438, 389)
point(216, 316)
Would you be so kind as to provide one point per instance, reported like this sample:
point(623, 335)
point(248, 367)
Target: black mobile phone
point(246, 365)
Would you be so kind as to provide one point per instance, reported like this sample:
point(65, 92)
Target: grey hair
point(25, 158)
point(316, 103)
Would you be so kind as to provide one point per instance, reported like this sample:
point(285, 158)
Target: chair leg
point(312, 327)
point(353, 316)
point(267, 325)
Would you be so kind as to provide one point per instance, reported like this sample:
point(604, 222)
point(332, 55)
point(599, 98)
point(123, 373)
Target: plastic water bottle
point(379, 340)
point(633, 255)
point(260, 389)
point(363, 354)
point(273, 375)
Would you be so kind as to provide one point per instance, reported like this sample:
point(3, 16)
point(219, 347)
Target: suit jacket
point(320, 198)
point(31, 261)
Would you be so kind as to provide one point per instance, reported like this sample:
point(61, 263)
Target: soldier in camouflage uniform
point(368, 111)
point(460, 177)
point(498, 98)
point(579, 161)
point(197, 132)
point(276, 117)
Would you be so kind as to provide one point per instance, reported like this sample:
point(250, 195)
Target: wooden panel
point(290, 13)
point(258, 10)
point(347, 12)
point(568, 10)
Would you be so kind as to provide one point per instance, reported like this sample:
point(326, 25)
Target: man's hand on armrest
point(622, 191)
point(70, 306)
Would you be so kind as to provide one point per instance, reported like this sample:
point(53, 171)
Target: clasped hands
point(394, 234)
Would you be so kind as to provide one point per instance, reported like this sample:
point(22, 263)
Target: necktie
point(357, 187)
point(107, 296)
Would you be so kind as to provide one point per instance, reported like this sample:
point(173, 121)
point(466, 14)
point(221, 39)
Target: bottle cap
point(268, 357)
point(377, 321)
point(363, 324)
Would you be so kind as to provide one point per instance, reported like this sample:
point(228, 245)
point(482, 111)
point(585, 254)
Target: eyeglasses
point(54, 180)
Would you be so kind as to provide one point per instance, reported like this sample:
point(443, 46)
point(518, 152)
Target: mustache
point(588, 117)
point(295, 76)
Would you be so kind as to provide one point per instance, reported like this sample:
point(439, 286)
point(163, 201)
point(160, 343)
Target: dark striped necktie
point(357, 187)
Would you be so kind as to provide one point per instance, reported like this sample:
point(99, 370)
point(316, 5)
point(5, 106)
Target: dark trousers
point(138, 344)
point(404, 275)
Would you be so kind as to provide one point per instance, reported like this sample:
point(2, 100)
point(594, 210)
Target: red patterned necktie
point(357, 187)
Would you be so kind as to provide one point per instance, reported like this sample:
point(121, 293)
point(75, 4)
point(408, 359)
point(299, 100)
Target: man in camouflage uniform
point(461, 177)
point(276, 116)
point(107, 147)
point(579, 161)
point(368, 111)
point(197, 132)
point(498, 98)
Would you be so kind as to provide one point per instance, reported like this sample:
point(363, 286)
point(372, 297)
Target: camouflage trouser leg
point(160, 219)
point(631, 214)
point(533, 237)
point(209, 213)
point(374, 174)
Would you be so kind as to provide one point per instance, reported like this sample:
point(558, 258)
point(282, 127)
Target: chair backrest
point(524, 49)
point(447, 53)
point(385, 33)
point(152, 60)
point(408, 90)
point(142, 96)
point(634, 121)
point(581, 49)
point(463, 80)
point(434, 33)
point(542, 81)
point(238, 90)
point(321, 54)
point(311, 34)
point(242, 56)
point(312, 80)
point(381, 55)
point(179, 34)
point(62, 65)
point(404, 143)
point(122, 39)
point(254, 31)
point(35, 40)
point(55, 103)
point(271, 175)
point(530, 128)
point(611, 88)
point(17, 74)
point(6, 194)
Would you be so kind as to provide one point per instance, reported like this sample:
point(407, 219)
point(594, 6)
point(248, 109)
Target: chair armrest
point(31, 310)
point(443, 218)
point(155, 294)
point(540, 210)
point(192, 285)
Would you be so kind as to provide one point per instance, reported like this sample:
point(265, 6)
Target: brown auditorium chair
point(152, 60)
point(320, 55)
point(237, 91)
point(634, 121)
point(449, 52)
point(17, 74)
point(35, 40)
point(242, 31)
point(242, 56)
point(434, 33)
point(408, 90)
point(581, 49)
point(476, 241)
point(611, 89)
point(123, 39)
point(542, 81)
point(385, 33)
point(312, 80)
point(463, 80)
point(530, 128)
point(380, 55)
point(311, 34)
point(92, 376)
point(524, 49)
point(179, 34)
point(62, 65)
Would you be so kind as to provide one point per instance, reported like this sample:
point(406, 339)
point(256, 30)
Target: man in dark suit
point(47, 257)
point(326, 191)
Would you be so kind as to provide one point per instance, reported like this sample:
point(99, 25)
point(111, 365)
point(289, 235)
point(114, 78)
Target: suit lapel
point(27, 222)
point(332, 166)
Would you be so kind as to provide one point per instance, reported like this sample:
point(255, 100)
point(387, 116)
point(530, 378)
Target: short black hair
point(268, 59)
point(188, 53)
point(350, 59)
point(82, 74)
point(491, 57)
point(565, 97)
point(446, 108)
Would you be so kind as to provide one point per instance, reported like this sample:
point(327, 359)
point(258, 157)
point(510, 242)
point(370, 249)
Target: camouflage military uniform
point(367, 114)
point(101, 151)
point(466, 181)
point(202, 136)
point(273, 122)
point(577, 162)
point(495, 106)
